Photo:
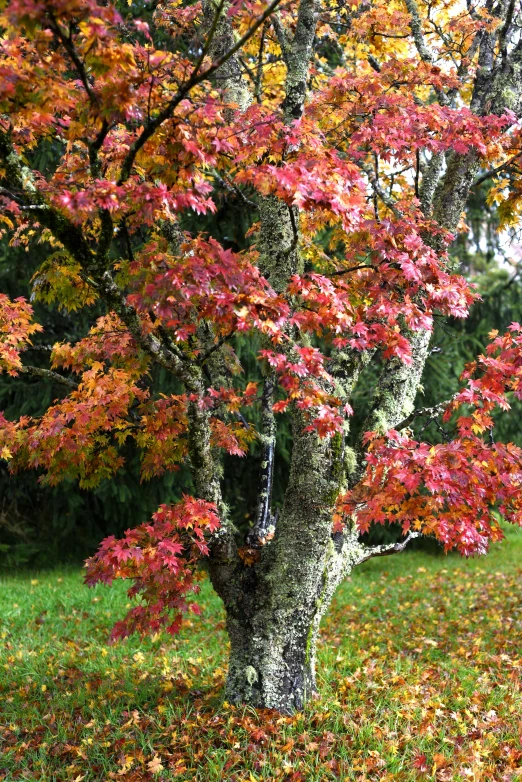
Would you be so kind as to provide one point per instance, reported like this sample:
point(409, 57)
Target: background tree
point(352, 139)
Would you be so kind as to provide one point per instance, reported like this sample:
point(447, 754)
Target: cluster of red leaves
point(500, 373)
point(15, 332)
point(365, 310)
point(384, 110)
point(160, 558)
point(404, 277)
point(125, 79)
point(206, 283)
point(146, 198)
point(302, 377)
point(78, 437)
point(314, 176)
point(450, 490)
point(74, 437)
point(394, 124)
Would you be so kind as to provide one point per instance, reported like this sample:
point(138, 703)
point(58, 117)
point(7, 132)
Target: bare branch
point(215, 347)
point(503, 38)
point(374, 63)
point(387, 549)
point(210, 36)
point(48, 374)
point(264, 524)
point(351, 269)
point(281, 37)
point(295, 230)
point(416, 29)
point(430, 180)
point(258, 84)
point(418, 36)
point(424, 412)
point(232, 188)
point(68, 45)
point(299, 56)
point(384, 197)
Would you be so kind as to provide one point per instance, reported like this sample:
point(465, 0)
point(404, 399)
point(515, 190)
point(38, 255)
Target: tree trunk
point(273, 627)
point(272, 661)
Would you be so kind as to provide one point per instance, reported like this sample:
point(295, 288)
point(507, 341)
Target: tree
point(351, 136)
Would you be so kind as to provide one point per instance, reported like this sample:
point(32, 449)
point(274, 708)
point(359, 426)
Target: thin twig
point(385, 198)
point(70, 48)
point(351, 269)
point(496, 170)
point(295, 241)
point(430, 412)
point(258, 84)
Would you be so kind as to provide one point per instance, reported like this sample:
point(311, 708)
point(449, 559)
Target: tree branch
point(210, 36)
point(416, 29)
point(503, 38)
point(397, 387)
point(48, 374)
point(384, 197)
point(429, 412)
point(430, 181)
point(281, 38)
point(299, 56)
point(496, 170)
point(195, 79)
point(351, 269)
point(70, 48)
point(418, 36)
point(260, 532)
point(374, 63)
point(232, 188)
point(258, 83)
point(387, 549)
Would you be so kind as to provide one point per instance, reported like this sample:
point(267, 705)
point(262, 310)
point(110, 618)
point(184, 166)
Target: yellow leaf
point(154, 765)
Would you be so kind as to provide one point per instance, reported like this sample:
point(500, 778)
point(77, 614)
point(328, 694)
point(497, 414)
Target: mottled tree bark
point(273, 632)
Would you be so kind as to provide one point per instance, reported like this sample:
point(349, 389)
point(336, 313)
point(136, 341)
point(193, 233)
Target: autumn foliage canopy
point(147, 142)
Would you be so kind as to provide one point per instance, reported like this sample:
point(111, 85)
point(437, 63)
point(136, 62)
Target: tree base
point(273, 670)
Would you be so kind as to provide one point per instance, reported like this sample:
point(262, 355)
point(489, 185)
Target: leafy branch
point(197, 77)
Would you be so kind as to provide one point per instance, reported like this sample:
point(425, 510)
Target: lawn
point(420, 669)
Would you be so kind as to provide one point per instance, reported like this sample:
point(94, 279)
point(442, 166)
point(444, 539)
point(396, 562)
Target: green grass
point(420, 669)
